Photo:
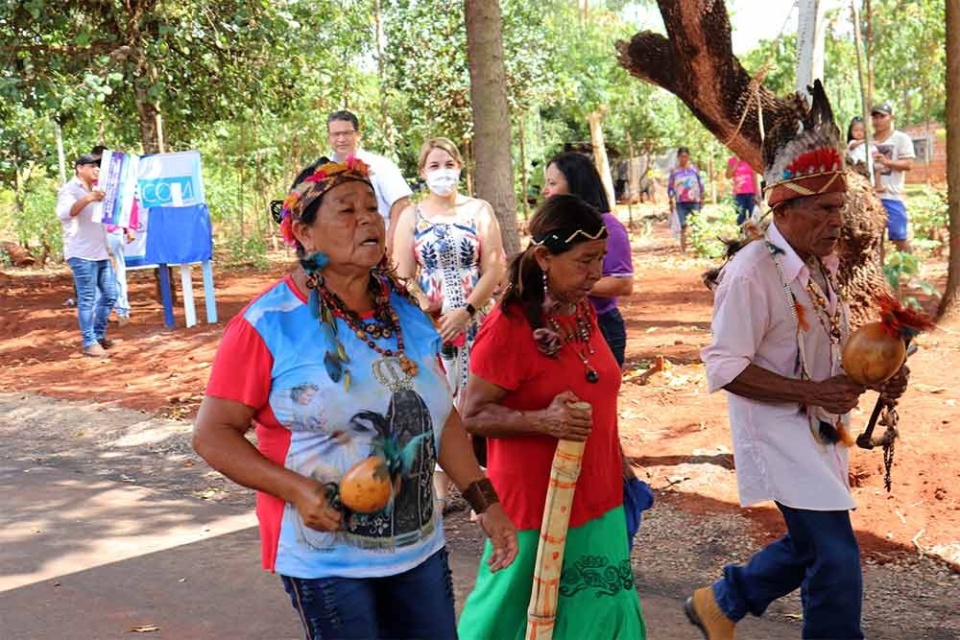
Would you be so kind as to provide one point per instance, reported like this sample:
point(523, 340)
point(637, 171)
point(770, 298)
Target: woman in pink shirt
point(745, 191)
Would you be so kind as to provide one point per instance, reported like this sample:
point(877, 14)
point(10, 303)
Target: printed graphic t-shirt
point(898, 146)
point(685, 184)
point(273, 358)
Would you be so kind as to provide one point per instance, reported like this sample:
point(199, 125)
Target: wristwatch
point(472, 310)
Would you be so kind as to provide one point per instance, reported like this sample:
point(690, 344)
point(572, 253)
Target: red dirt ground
point(675, 432)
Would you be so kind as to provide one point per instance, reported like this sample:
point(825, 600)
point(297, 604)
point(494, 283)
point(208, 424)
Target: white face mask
point(443, 182)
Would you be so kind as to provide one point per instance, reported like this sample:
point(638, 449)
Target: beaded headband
point(327, 176)
point(560, 239)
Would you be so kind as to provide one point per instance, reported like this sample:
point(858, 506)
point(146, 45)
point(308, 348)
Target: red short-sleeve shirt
point(505, 355)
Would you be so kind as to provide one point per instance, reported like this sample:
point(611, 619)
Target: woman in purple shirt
point(574, 173)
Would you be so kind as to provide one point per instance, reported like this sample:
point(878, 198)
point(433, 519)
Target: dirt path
point(111, 446)
point(674, 431)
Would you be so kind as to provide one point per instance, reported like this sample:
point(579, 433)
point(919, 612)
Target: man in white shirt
point(85, 250)
point(393, 192)
point(893, 157)
point(779, 325)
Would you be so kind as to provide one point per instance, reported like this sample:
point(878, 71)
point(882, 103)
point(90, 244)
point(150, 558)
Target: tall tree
point(491, 115)
point(950, 304)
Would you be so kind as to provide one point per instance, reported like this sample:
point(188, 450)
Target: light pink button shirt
point(776, 454)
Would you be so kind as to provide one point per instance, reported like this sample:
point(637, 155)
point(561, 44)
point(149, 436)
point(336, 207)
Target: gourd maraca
point(366, 487)
point(876, 351)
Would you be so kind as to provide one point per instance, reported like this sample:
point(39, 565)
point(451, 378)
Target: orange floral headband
point(327, 176)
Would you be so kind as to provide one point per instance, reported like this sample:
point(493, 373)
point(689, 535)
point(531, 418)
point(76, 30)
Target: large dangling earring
point(312, 266)
point(548, 302)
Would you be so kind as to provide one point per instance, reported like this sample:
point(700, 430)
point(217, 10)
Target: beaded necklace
point(385, 324)
point(835, 325)
point(578, 337)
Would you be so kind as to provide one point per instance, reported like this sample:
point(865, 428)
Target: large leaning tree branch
point(695, 62)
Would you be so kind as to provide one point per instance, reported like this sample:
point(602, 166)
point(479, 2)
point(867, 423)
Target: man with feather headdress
point(779, 325)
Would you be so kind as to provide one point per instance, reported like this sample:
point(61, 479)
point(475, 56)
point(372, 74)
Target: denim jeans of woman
point(614, 331)
point(415, 604)
point(91, 276)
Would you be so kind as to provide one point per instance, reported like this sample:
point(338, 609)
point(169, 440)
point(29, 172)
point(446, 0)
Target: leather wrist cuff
point(480, 495)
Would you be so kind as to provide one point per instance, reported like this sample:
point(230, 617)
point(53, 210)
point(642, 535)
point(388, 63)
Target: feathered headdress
point(801, 152)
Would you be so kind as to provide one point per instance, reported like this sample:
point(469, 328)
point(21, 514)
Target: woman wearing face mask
point(449, 248)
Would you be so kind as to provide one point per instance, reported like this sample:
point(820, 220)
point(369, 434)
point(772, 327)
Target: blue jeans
point(116, 242)
point(414, 604)
point(744, 204)
point(614, 331)
point(819, 555)
point(91, 276)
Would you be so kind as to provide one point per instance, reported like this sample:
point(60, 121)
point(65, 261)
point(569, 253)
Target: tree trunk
point(385, 124)
point(696, 63)
point(868, 48)
point(810, 43)
point(600, 159)
point(147, 117)
point(491, 115)
point(950, 303)
point(524, 182)
point(61, 156)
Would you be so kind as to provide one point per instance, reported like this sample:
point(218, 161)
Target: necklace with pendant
point(578, 338)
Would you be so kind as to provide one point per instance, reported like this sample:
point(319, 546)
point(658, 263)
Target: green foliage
point(902, 269)
point(37, 227)
point(249, 83)
point(707, 230)
point(930, 220)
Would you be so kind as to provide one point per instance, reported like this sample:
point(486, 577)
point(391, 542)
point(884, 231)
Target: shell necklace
point(836, 326)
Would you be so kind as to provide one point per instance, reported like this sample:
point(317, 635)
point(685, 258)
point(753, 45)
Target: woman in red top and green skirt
point(538, 356)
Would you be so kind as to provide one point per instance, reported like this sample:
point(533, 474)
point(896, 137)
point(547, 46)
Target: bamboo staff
point(542, 612)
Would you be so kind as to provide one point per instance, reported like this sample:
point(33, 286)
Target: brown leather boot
point(702, 610)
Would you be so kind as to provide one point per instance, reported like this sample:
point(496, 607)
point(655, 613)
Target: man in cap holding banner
point(85, 250)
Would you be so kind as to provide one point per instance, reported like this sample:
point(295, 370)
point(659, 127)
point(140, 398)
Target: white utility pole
point(810, 42)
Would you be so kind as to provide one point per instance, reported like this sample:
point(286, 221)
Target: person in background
point(541, 372)
point(393, 192)
point(893, 157)
point(85, 250)
point(685, 190)
point(117, 237)
point(448, 247)
point(746, 190)
point(856, 140)
point(574, 173)
point(336, 366)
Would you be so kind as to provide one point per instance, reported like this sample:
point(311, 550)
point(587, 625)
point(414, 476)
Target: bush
point(36, 225)
point(707, 230)
point(930, 221)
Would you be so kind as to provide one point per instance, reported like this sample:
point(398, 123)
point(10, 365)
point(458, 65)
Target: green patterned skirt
point(598, 596)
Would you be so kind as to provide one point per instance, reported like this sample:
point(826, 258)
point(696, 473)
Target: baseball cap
point(87, 158)
point(883, 107)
